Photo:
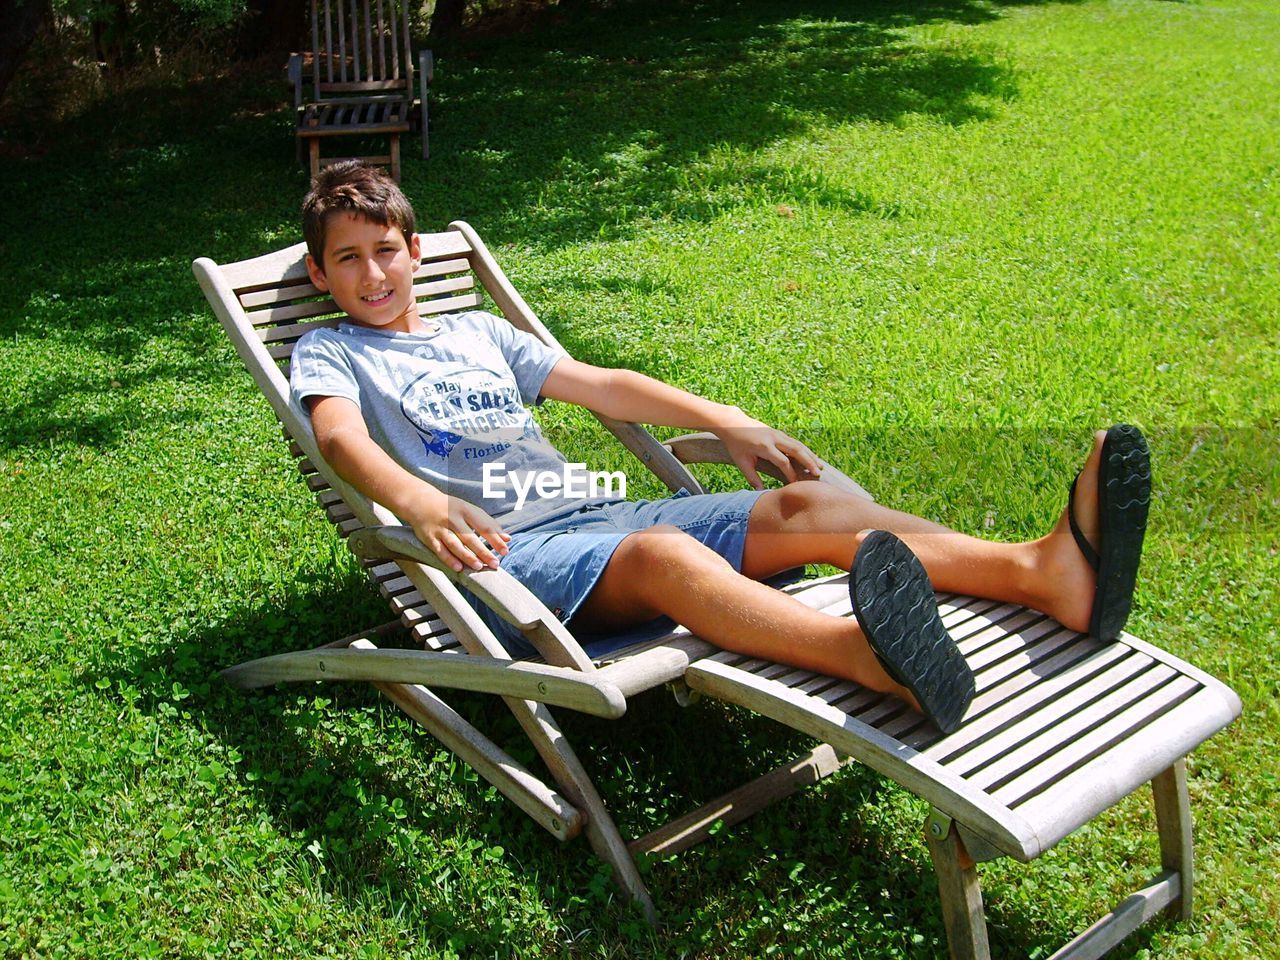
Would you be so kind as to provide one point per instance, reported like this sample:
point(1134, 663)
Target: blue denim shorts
point(561, 560)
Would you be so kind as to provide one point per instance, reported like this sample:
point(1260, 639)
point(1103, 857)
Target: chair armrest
point(498, 590)
point(556, 686)
point(295, 77)
point(708, 448)
point(501, 592)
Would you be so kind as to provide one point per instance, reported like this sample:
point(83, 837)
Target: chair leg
point(395, 157)
point(314, 146)
point(574, 782)
point(959, 889)
point(1173, 823)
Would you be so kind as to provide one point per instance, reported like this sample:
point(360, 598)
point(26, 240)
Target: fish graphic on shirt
point(440, 442)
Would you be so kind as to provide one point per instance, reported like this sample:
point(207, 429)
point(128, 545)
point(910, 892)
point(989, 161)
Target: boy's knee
point(669, 548)
point(797, 499)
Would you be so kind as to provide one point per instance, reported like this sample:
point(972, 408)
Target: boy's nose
point(372, 272)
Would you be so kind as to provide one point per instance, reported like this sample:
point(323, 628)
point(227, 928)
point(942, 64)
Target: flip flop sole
point(898, 612)
point(1124, 499)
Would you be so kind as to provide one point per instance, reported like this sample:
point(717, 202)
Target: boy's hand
point(749, 440)
point(456, 532)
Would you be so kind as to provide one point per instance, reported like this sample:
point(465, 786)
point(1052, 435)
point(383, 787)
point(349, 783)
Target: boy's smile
point(368, 268)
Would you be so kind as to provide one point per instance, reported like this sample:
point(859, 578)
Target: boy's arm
point(452, 528)
point(627, 395)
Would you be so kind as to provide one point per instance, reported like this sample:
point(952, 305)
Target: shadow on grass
point(335, 766)
point(659, 111)
point(572, 130)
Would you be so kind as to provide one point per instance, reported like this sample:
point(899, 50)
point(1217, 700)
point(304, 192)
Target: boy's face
point(368, 269)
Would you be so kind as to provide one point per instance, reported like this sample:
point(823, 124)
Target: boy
point(410, 410)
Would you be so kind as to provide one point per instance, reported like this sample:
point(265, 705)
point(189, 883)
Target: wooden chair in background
point(358, 79)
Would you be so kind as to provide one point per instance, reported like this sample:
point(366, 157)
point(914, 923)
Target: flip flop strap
point(1090, 555)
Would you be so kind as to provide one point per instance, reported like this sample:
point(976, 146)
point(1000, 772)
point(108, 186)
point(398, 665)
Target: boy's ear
point(415, 250)
point(316, 274)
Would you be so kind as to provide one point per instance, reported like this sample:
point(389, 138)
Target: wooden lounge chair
point(358, 79)
point(1063, 726)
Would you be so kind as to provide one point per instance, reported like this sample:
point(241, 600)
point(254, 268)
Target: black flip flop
point(898, 612)
point(1124, 498)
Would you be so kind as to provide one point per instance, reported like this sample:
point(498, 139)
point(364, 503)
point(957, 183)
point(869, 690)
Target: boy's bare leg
point(814, 523)
point(664, 571)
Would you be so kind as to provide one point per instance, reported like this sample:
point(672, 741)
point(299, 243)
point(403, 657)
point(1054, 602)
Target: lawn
point(940, 241)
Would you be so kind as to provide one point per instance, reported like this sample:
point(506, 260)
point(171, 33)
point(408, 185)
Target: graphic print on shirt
point(471, 404)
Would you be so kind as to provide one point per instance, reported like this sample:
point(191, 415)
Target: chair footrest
point(1063, 725)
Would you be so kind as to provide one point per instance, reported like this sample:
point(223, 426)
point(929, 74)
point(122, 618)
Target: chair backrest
point(283, 308)
point(360, 46)
point(267, 303)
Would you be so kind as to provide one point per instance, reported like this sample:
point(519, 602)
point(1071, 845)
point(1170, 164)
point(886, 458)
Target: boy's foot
point(898, 613)
point(1109, 534)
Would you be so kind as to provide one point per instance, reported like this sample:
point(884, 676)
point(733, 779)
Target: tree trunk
point(22, 20)
point(446, 18)
point(277, 26)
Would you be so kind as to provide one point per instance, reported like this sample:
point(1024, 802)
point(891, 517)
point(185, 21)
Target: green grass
point(939, 241)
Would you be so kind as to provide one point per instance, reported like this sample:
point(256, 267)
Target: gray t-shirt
point(444, 404)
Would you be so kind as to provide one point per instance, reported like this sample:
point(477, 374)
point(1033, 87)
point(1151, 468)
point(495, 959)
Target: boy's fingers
point(446, 555)
point(460, 551)
point(753, 478)
point(783, 463)
point(480, 549)
point(800, 454)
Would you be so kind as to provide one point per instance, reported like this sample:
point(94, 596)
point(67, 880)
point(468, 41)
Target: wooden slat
point(338, 514)
point(328, 41)
point(346, 129)
point(1037, 711)
point(1074, 751)
point(1131, 913)
point(1016, 765)
point(737, 805)
point(342, 43)
point(315, 47)
point(995, 708)
point(405, 36)
point(382, 52)
point(289, 265)
point(265, 319)
point(390, 586)
point(468, 301)
point(363, 86)
point(305, 290)
point(368, 39)
point(1048, 639)
point(562, 686)
point(432, 639)
point(355, 6)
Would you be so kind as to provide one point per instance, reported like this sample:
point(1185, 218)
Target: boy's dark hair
point(353, 187)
